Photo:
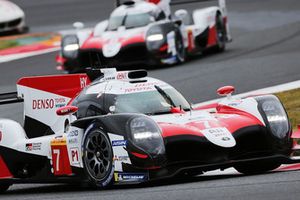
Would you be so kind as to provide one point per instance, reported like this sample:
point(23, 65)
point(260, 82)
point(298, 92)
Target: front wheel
point(98, 156)
point(220, 34)
point(256, 167)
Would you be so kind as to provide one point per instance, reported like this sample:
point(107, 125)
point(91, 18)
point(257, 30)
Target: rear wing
point(9, 98)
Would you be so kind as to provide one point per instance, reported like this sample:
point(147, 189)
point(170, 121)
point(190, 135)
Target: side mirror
point(78, 25)
point(181, 14)
point(66, 110)
point(226, 91)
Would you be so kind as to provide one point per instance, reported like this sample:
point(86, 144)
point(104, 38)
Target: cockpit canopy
point(148, 96)
point(139, 14)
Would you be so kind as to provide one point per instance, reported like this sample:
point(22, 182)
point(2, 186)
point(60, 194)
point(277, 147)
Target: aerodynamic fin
point(43, 95)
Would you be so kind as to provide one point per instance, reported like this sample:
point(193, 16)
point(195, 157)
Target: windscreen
point(129, 21)
point(150, 102)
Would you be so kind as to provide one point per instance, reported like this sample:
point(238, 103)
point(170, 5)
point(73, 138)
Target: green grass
point(291, 102)
point(4, 44)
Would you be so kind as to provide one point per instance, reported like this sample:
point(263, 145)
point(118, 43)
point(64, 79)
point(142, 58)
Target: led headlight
point(71, 47)
point(147, 135)
point(155, 37)
point(276, 116)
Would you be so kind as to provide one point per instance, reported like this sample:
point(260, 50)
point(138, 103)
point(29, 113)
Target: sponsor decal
point(73, 141)
point(122, 75)
point(220, 136)
point(58, 141)
point(225, 138)
point(33, 146)
point(44, 104)
point(74, 155)
point(131, 177)
point(119, 143)
point(121, 158)
point(60, 102)
point(73, 133)
point(83, 82)
point(235, 103)
point(142, 87)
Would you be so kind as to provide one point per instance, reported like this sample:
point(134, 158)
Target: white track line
point(17, 56)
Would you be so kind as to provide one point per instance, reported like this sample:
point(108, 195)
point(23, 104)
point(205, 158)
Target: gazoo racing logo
point(39, 104)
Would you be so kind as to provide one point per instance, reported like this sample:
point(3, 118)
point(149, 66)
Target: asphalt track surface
point(265, 52)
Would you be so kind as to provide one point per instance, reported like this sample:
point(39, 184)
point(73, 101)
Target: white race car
point(125, 127)
point(12, 18)
point(140, 33)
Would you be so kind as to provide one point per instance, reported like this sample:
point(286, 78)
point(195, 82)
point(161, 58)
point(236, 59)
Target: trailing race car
point(125, 127)
point(139, 32)
point(12, 17)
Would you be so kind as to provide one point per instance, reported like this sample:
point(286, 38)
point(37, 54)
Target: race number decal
point(60, 158)
point(74, 156)
point(219, 136)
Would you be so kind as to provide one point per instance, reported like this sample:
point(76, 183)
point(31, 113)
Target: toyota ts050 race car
point(125, 127)
point(139, 32)
point(12, 18)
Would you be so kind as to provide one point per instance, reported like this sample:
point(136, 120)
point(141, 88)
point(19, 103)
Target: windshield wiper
point(165, 96)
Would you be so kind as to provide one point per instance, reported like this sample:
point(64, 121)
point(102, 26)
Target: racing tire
point(98, 157)
point(180, 49)
point(220, 34)
point(4, 187)
point(256, 167)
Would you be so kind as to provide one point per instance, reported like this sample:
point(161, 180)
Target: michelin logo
point(119, 143)
point(131, 177)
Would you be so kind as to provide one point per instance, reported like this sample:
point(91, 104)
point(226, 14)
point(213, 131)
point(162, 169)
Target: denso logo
point(43, 104)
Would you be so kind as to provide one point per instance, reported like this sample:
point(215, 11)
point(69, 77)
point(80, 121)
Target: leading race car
point(12, 18)
point(139, 32)
point(125, 127)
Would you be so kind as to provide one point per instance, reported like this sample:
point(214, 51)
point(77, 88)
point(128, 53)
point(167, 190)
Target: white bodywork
point(10, 12)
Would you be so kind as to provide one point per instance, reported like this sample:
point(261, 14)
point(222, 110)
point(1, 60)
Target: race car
point(139, 33)
point(112, 127)
point(12, 18)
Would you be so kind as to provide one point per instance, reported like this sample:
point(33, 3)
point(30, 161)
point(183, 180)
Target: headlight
point(147, 135)
point(71, 47)
point(155, 37)
point(276, 116)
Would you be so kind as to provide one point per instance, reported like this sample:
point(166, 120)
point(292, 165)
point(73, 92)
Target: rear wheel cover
point(98, 157)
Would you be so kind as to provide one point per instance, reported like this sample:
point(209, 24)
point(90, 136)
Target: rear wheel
point(256, 167)
point(180, 49)
point(98, 156)
point(221, 33)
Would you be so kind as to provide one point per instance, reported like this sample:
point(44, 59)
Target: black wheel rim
point(98, 155)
